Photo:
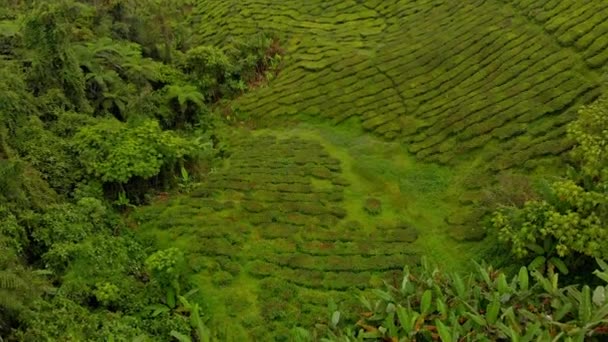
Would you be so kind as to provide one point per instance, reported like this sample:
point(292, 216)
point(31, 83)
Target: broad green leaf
point(459, 285)
point(523, 278)
point(335, 319)
point(426, 301)
point(389, 323)
point(477, 318)
point(195, 318)
point(492, 311)
point(331, 305)
point(484, 274)
point(441, 307)
point(559, 264)
point(503, 285)
point(537, 263)
point(404, 318)
point(413, 319)
point(603, 265)
point(599, 296)
point(443, 331)
point(536, 248)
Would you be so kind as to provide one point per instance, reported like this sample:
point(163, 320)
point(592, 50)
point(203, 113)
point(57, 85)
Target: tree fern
point(185, 101)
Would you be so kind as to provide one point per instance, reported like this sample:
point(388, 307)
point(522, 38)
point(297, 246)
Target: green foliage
point(209, 66)
point(107, 293)
point(49, 154)
point(48, 32)
point(168, 269)
point(88, 95)
point(230, 71)
point(571, 218)
point(112, 151)
point(201, 332)
point(430, 305)
point(119, 97)
point(187, 104)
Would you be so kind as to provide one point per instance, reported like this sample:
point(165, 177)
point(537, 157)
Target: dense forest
point(382, 170)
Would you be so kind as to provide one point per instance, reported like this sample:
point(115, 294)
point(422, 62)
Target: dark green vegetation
point(103, 104)
point(484, 306)
point(243, 170)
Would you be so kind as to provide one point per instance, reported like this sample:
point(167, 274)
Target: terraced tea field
point(426, 101)
point(290, 212)
point(487, 82)
point(444, 77)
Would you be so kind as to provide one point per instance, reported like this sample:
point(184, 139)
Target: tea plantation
point(488, 84)
point(284, 215)
point(293, 170)
point(404, 113)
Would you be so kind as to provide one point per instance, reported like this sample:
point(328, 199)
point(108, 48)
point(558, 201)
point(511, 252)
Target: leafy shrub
point(168, 268)
point(571, 218)
point(484, 306)
point(210, 67)
point(48, 153)
point(107, 293)
point(373, 206)
point(116, 152)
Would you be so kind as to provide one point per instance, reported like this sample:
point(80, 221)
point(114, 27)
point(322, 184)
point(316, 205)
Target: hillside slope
point(444, 77)
point(452, 94)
